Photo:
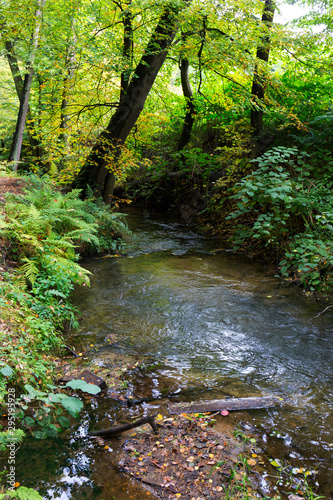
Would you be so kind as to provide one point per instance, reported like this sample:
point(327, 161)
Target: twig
point(322, 312)
point(159, 466)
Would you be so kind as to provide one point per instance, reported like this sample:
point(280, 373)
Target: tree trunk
point(127, 50)
point(15, 152)
point(190, 106)
point(259, 79)
point(97, 171)
point(19, 82)
point(67, 87)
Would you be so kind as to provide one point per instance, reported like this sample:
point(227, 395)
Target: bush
point(282, 205)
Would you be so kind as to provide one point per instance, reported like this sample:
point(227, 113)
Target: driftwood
point(71, 351)
point(224, 404)
point(125, 427)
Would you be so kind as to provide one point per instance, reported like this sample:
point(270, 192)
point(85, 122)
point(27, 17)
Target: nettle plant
point(284, 206)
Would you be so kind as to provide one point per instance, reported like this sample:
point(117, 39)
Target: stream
point(207, 324)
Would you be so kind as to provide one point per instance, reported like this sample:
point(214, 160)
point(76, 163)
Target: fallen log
point(125, 427)
point(225, 404)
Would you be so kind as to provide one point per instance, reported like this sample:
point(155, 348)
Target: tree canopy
point(85, 60)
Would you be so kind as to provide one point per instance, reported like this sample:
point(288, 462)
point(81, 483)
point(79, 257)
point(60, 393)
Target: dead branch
point(125, 427)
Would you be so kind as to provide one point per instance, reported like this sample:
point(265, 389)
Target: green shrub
point(284, 206)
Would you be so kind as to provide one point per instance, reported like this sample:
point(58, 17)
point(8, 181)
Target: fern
point(47, 229)
point(6, 438)
point(30, 270)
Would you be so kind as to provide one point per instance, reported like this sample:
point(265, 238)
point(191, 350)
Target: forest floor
point(10, 185)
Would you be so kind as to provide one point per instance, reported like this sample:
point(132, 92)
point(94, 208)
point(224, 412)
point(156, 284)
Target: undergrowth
point(42, 234)
point(284, 208)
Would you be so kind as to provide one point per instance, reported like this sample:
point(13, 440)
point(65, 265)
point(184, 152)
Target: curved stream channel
point(214, 325)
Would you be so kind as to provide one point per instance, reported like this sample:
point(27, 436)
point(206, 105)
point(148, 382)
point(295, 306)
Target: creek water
point(210, 324)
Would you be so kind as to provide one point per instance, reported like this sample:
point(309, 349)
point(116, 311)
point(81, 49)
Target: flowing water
point(214, 324)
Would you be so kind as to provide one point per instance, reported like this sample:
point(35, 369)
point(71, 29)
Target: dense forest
point(217, 112)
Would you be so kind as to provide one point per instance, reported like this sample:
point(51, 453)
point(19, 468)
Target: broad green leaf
point(83, 386)
point(57, 398)
point(6, 371)
point(72, 405)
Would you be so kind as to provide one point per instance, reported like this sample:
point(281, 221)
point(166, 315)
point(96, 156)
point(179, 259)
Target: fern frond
point(30, 270)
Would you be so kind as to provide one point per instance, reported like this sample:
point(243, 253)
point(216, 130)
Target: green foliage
point(43, 230)
point(21, 493)
point(83, 386)
point(284, 205)
point(264, 197)
point(47, 418)
point(15, 436)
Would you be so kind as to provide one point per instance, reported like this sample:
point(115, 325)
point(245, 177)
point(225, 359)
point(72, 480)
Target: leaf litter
point(186, 460)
